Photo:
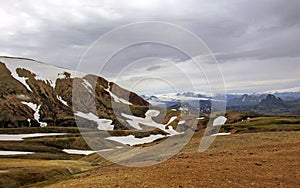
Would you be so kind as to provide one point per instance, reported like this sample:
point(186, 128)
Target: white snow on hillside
point(181, 122)
point(131, 140)
point(116, 98)
point(286, 90)
point(148, 121)
point(84, 152)
point(103, 124)
point(88, 86)
point(178, 96)
point(36, 109)
point(42, 71)
point(171, 120)
point(31, 105)
point(219, 121)
point(221, 134)
point(172, 131)
point(61, 100)
point(15, 153)
point(36, 116)
point(20, 137)
point(160, 99)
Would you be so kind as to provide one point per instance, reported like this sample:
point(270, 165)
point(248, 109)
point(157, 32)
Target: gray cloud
point(153, 68)
point(241, 33)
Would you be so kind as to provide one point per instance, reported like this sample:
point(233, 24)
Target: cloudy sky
point(256, 43)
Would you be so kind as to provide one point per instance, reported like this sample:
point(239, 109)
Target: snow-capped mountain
point(36, 94)
point(255, 103)
point(286, 90)
point(170, 99)
point(288, 94)
point(195, 103)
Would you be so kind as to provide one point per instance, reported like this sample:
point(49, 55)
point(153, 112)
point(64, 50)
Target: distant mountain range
point(244, 100)
point(286, 103)
point(270, 105)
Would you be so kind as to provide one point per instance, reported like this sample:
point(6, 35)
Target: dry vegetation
point(266, 159)
point(261, 152)
point(21, 172)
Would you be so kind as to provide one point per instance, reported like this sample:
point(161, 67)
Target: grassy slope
point(267, 123)
point(49, 148)
point(48, 163)
point(21, 172)
point(264, 159)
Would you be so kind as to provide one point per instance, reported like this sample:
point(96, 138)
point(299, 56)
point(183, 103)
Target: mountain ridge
point(30, 98)
point(263, 104)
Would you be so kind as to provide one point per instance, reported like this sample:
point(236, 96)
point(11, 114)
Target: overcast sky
point(256, 43)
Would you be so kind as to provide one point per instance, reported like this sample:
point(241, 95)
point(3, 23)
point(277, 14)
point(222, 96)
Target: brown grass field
point(265, 159)
point(261, 152)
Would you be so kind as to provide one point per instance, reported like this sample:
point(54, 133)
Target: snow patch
point(219, 121)
point(169, 97)
point(172, 131)
point(285, 90)
point(131, 140)
point(30, 105)
point(15, 153)
point(88, 86)
point(23, 97)
point(116, 98)
point(221, 134)
point(103, 124)
point(84, 152)
point(22, 80)
point(36, 114)
point(171, 120)
point(152, 113)
point(61, 100)
point(42, 71)
point(243, 99)
point(184, 108)
point(181, 122)
point(135, 122)
point(20, 137)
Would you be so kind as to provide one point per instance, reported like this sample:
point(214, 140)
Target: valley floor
point(264, 159)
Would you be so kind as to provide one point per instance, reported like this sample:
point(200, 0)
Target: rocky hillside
point(36, 94)
point(270, 105)
point(244, 100)
point(273, 105)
